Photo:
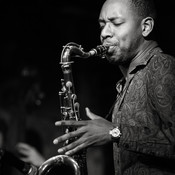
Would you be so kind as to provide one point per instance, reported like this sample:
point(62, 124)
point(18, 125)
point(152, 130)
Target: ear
point(147, 26)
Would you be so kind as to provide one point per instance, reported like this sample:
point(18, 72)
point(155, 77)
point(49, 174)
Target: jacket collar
point(141, 60)
point(144, 56)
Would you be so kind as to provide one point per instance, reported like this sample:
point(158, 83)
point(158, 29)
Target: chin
point(117, 57)
point(112, 59)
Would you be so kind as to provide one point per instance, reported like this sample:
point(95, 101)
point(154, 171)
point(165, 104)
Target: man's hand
point(29, 154)
point(94, 132)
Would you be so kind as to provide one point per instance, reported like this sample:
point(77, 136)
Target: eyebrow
point(109, 19)
point(101, 20)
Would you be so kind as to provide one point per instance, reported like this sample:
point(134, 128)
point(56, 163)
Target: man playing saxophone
point(143, 117)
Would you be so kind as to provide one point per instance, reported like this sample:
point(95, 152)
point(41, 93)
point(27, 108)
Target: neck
point(125, 67)
point(124, 71)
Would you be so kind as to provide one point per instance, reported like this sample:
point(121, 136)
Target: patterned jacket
point(145, 113)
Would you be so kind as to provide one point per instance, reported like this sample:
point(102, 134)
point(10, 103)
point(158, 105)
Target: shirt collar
point(144, 56)
point(140, 60)
point(120, 85)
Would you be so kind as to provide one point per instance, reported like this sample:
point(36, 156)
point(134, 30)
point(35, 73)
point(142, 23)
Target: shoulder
point(161, 71)
point(162, 63)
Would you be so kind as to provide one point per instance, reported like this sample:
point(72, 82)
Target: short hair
point(144, 8)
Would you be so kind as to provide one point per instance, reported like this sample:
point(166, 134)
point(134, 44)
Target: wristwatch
point(115, 134)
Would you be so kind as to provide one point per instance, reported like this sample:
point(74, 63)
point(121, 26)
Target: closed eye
point(117, 24)
point(101, 27)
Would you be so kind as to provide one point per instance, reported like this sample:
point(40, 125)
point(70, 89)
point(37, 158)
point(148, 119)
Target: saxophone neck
point(72, 49)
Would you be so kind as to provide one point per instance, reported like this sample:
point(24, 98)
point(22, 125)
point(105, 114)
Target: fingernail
point(60, 150)
point(58, 123)
point(67, 153)
point(55, 141)
point(86, 109)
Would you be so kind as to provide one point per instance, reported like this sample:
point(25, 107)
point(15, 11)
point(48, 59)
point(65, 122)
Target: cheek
point(124, 41)
point(128, 37)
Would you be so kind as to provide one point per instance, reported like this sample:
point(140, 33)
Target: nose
point(106, 32)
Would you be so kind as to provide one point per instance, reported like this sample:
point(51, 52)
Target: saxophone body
point(69, 109)
point(69, 106)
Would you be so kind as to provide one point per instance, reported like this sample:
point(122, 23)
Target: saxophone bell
point(60, 164)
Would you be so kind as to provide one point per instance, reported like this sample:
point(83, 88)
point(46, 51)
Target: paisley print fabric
point(145, 113)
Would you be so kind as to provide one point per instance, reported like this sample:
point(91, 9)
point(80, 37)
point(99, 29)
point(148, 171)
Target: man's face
point(121, 30)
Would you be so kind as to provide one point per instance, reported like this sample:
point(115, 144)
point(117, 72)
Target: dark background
point(32, 35)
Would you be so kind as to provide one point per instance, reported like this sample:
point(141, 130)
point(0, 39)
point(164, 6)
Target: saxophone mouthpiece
point(100, 50)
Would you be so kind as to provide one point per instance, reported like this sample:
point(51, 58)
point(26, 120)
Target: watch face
point(115, 132)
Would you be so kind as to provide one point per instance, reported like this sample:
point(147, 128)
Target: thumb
point(91, 115)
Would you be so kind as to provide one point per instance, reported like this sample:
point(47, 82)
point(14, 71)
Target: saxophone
point(69, 109)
